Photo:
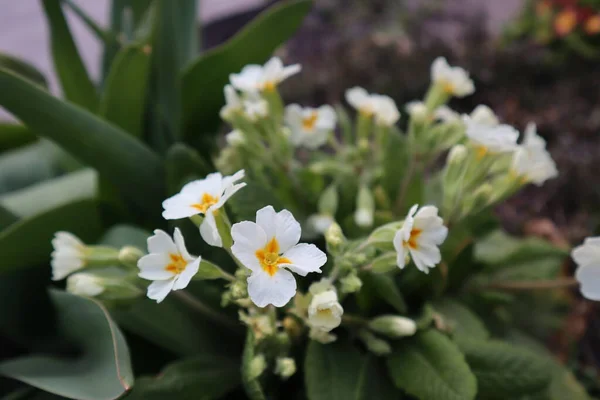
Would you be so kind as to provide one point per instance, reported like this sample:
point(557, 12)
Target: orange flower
point(592, 24)
point(565, 21)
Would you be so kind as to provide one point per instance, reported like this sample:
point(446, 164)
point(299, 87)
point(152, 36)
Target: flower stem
point(198, 306)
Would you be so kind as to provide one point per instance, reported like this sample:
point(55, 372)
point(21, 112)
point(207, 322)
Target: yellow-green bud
point(393, 326)
point(350, 284)
point(457, 154)
point(365, 207)
point(334, 237)
point(257, 367)
point(130, 255)
point(374, 344)
point(238, 289)
point(328, 202)
point(285, 367)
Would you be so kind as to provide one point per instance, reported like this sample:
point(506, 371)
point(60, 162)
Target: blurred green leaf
point(55, 192)
point(183, 165)
point(23, 69)
point(251, 384)
point(102, 35)
point(14, 135)
point(27, 242)
point(384, 287)
point(203, 377)
point(76, 84)
point(203, 81)
point(463, 322)
point(124, 97)
point(98, 370)
point(429, 366)
point(374, 383)
point(117, 156)
point(6, 218)
point(125, 235)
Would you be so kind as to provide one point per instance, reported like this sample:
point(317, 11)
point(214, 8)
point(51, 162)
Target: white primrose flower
point(325, 311)
point(446, 114)
point(235, 138)
point(255, 107)
point(491, 139)
point(319, 223)
point(416, 109)
point(454, 81)
point(256, 78)
point(310, 127)
point(483, 115)
point(587, 258)
point(69, 255)
point(420, 237)
point(531, 160)
point(168, 264)
point(85, 284)
point(205, 196)
point(382, 107)
point(269, 248)
point(386, 111)
point(233, 102)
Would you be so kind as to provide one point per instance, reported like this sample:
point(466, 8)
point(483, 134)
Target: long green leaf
point(23, 68)
point(6, 218)
point(203, 377)
point(76, 84)
point(27, 242)
point(100, 368)
point(124, 96)
point(116, 155)
point(101, 34)
point(203, 81)
point(373, 382)
point(14, 135)
point(430, 367)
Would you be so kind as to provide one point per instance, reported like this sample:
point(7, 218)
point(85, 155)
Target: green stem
point(201, 308)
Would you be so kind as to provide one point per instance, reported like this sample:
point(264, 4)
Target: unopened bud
point(102, 286)
point(365, 207)
point(208, 270)
point(328, 202)
point(350, 284)
point(417, 110)
point(457, 154)
point(130, 255)
point(321, 336)
point(374, 344)
point(239, 289)
point(235, 138)
point(393, 326)
point(257, 367)
point(334, 237)
point(285, 367)
point(319, 287)
point(292, 327)
point(382, 237)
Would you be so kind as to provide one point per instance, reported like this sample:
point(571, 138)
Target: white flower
point(446, 114)
point(416, 109)
point(587, 258)
point(319, 223)
point(168, 264)
point(453, 80)
point(233, 102)
point(204, 196)
point(420, 236)
point(254, 78)
point(483, 115)
point(69, 255)
point(494, 139)
point(255, 107)
point(269, 248)
point(285, 367)
point(325, 311)
point(531, 160)
point(235, 138)
point(85, 284)
point(383, 108)
point(310, 127)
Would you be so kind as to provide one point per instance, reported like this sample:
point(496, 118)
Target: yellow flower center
point(412, 240)
point(325, 313)
point(269, 257)
point(177, 264)
point(367, 111)
point(448, 87)
point(480, 152)
point(269, 86)
point(309, 122)
point(206, 201)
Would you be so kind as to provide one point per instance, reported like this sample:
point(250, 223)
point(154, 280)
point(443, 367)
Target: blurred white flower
point(382, 108)
point(255, 107)
point(233, 103)
point(325, 311)
point(255, 78)
point(416, 109)
point(319, 223)
point(204, 196)
point(235, 138)
point(446, 114)
point(587, 258)
point(491, 139)
point(85, 284)
point(310, 127)
point(483, 115)
point(420, 237)
point(69, 255)
point(454, 81)
point(531, 160)
point(269, 248)
point(168, 264)
point(361, 100)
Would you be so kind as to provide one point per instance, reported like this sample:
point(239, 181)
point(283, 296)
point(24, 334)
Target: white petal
point(211, 184)
point(439, 68)
point(188, 273)
point(588, 253)
point(161, 242)
point(246, 256)
point(425, 257)
point(66, 239)
point(249, 235)
point(265, 218)
point(287, 230)
point(327, 117)
point(277, 289)
point(158, 290)
point(289, 71)
point(209, 231)
point(229, 191)
point(305, 258)
point(400, 237)
point(179, 206)
point(64, 266)
point(589, 278)
point(152, 266)
point(180, 243)
point(357, 97)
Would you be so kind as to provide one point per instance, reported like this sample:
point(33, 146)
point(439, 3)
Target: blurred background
point(532, 61)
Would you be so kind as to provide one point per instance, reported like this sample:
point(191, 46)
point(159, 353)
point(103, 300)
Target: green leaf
point(203, 81)
point(256, 196)
point(198, 378)
point(74, 79)
point(462, 321)
point(503, 370)
point(125, 235)
point(384, 287)
point(373, 382)
point(395, 162)
point(332, 371)
point(23, 69)
point(27, 242)
point(429, 366)
point(251, 384)
point(183, 165)
point(124, 97)
point(14, 135)
point(100, 367)
point(6, 218)
point(116, 155)
point(102, 35)
point(55, 192)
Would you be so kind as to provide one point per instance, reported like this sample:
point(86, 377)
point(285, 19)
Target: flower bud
point(130, 255)
point(257, 367)
point(365, 208)
point(325, 312)
point(319, 223)
point(103, 286)
point(417, 110)
point(393, 326)
point(323, 285)
point(321, 336)
point(374, 344)
point(292, 327)
point(350, 283)
point(85, 284)
point(334, 237)
point(235, 138)
point(457, 154)
point(239, 289)
point(285, 367)
point(328, 202)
